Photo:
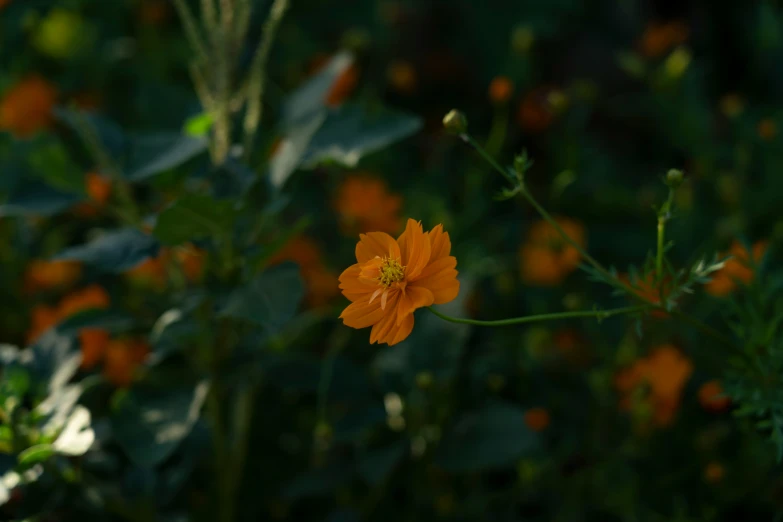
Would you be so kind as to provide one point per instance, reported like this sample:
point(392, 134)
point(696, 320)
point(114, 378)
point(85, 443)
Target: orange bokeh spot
point(26, 108)
point(365, 204)
point(537, 419)
point(546, 258)
point(123, 357)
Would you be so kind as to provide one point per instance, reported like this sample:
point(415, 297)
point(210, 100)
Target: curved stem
point(701, 326)
point(598, 314)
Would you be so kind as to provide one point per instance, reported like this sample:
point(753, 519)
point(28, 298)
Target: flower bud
point(455, 122)
point(674, 178)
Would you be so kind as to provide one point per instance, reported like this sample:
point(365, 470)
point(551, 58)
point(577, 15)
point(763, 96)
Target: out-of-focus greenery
point(169, 332)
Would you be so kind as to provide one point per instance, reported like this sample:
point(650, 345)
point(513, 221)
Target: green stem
point(603, 271)
point(598, 314)
point(659, 251)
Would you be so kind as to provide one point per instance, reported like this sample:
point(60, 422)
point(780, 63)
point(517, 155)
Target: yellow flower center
point(391, 272)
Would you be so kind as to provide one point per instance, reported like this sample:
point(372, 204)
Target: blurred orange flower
point(45, 275)
point(392, 278)
point(714, 472)
point(98, 188)
point(44, 317)
point(154, 12)
point(343, 86)
point(26, 108)
point(123, 357)
point(737, 270)
point(501, 89)
point(93, 342)
point(153, 271)
point(767, 129)
point(365, 204)
point(546, 259)
point(539, 107)
point(711, 397)
point(402, 76)
point(321, 283)
point(4, 3)
point(664, 374)
point(537, 419)
point(660, 37)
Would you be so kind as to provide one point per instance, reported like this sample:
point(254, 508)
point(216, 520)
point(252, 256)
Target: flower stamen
point(391, 272)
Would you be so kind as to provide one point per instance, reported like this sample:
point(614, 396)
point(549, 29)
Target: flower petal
point(411, 298)
point(362, 314)
point(376, 244)
point(389, 332)
point(440, 278)
point(440, 243)
point(414, 248)
point(353, 288)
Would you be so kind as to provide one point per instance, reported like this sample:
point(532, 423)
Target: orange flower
point(539, 108)
point(737, 270)
point(767, 129)
point(150, 273)
point(660, 37)
point(321, 282)
point(393, 278)
point(664, 372)
point(343, 86)
point(402, 76)
point(27, 107)
point(93, 342)
point(364, 204)
point(714, 472)
point(98, 188)
point(41, 319)
point(711, 397)
point(500, 89)
point(43, 275)
point(123, 357)
point(44, 317)
point(546, 259)
point(537, 419)
point(192, 262)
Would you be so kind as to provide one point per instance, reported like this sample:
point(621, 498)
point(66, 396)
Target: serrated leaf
point(193, 217)
point(115, 251)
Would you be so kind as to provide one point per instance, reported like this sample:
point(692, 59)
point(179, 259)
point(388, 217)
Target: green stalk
point(598, 314)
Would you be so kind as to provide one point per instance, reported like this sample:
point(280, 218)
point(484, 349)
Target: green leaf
point(310, 98)
point(192, 217)
point(51, 163)
point(199, 125)
point(270, 300)
point(293, 147)
point(493, 437)
point(34, 198)
point(113, 321)
point(115, 251)
point(153, 154)
point(151, 421)
point(35, 455)
point(351, 133)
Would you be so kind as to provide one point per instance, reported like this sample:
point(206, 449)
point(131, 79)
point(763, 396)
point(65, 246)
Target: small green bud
point(674, 178)
point(455, 122)
point(424, 380)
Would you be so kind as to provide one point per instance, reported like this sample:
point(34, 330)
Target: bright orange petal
point(415, 249)
point(440, 278)
point(376, 244)
point(401, 331)
point(362, 314)
point(440, 243)
point(381, 329)
point(391, 333)
point(351, 286)
point(413, 297)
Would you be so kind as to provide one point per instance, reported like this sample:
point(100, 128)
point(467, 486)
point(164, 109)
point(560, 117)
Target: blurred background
point(563, 421)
